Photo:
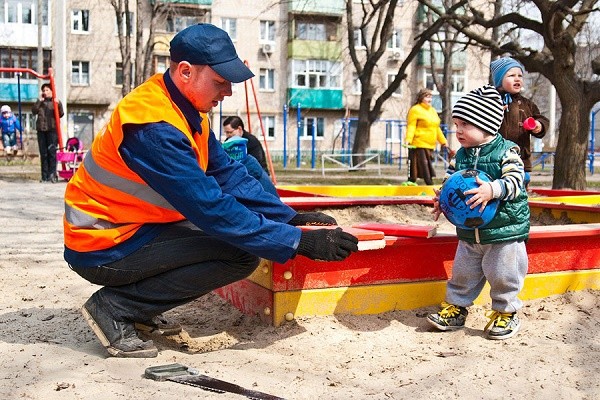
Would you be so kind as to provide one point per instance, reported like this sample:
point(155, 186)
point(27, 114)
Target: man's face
point(230, 132)
point(204, 88)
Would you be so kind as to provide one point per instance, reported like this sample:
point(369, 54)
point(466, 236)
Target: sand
point(47, 350)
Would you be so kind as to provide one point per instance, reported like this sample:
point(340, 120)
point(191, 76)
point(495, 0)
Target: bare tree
point(558, 24)
point(124, 32)
point(376, 25)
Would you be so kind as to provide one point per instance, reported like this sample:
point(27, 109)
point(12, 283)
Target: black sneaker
point(119, 337)
point(503, 325)
point(159, 324)
point(449, 318)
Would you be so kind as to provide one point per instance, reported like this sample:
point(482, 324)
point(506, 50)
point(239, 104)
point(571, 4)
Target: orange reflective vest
point(105, 201)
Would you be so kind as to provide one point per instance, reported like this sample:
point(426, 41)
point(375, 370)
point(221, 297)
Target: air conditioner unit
point(268, 48)
point(396, 56)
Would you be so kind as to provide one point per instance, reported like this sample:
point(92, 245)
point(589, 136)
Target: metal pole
point(299, 125)
point(20, 113)
point(284, 136)
point(313, 144)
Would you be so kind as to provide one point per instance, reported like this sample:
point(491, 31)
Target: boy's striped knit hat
point(482, 108)
point(500, 67)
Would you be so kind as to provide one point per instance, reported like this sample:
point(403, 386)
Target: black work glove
point(312, 218)
point(327, 244)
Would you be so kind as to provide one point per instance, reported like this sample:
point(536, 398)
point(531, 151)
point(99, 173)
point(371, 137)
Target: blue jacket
point(158, 153)
point(10, 124)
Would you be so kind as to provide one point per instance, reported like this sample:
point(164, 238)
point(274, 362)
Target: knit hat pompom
point(501, 66)
point(482, 108)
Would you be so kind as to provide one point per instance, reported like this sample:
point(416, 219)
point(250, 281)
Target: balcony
point(323, 99)
point(193, 2)
point(27, 92)
point(314, 50)
point(329, 7)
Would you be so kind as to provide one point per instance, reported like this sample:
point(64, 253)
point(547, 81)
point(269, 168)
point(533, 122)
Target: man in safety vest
point(159, 215)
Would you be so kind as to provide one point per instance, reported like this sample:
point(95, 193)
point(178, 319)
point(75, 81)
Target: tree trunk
point(571, 151)
point(362, 138)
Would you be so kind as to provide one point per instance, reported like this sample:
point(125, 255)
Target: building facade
point(305, 89)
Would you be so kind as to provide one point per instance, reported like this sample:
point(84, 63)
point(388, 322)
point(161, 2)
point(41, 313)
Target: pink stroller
point(69, 158)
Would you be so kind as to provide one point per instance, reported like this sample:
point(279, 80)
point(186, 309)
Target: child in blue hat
point(519, 111)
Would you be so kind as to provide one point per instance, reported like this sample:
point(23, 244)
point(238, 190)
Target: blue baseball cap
point(205, 44)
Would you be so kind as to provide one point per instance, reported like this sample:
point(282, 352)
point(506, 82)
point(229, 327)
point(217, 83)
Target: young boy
point(9, 124)
point(507, 76)
point(495, 253)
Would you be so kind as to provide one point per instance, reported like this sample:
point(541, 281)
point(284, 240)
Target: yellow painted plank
point(375, 299)
point(362, 190)
point(577, 216)
point(588, 199)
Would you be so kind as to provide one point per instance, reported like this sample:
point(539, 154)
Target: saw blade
point(218, 386)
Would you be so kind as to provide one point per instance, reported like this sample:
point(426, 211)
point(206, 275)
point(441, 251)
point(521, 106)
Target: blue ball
point(453, 200)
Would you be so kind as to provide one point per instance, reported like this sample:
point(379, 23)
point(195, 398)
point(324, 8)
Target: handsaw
point(188, 376)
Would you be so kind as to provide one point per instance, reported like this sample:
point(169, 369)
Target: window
point(177, 23)
point(119, 78)
point(313, 124)
point(395, 42)
point(390, 78)
point(161, 63)
point(457, 82)
point(269, 126)
point(22, 58)
point(80, 73)
point(229, 25)
point(266, 79)
point(360, 41)
point(80, 21)
point(22, 12)
point(316, 74)
point(311, 31)
point(267, 31)
point(124, 27)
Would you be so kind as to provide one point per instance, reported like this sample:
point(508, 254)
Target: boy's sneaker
point(449, 318)
point(503, 325)
point(159, 324)
point(119, 337)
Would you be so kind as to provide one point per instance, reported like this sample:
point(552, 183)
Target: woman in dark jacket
point(46, 132)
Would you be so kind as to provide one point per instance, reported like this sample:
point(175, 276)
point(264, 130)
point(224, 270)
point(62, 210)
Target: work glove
point(312, 218)
point(327, 244)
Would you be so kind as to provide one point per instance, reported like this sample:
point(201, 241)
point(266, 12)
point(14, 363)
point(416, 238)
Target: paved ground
point(30, 170)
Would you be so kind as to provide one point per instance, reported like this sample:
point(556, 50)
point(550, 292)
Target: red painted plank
point(404, 259)
point(360, 234)
point(249, 298)
point(424, 231)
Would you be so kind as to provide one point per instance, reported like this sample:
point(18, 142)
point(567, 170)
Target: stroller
point(70, 157)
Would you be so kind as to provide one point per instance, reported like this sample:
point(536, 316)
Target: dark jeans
point(48, 144)
point(180, 265)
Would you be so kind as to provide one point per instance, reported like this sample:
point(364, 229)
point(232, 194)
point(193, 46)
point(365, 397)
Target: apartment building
point(298, 50)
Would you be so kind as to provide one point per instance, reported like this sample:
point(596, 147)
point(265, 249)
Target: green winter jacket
point(511, 222)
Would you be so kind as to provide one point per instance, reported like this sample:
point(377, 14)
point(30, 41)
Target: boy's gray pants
point(503, 265)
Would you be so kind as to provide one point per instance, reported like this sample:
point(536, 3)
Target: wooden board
point(360, 234)
point(423, 231)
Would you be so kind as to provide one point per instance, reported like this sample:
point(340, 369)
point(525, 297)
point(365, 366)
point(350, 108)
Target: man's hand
point(312, 218)
point(327, 244)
